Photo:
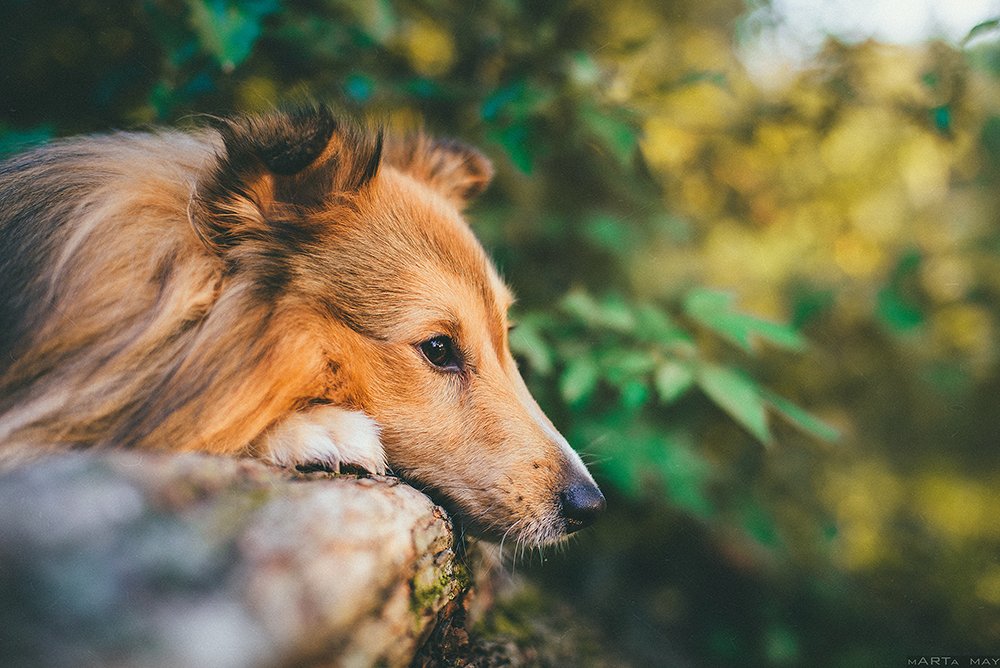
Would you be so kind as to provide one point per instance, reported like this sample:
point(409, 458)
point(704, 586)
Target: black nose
point(582, 502)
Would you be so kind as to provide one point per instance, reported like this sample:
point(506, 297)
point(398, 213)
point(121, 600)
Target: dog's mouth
point(544, 528)
point(529, 531)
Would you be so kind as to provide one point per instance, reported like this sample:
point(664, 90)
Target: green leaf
point(738, 396)
point(673, 380)
point(896, 312)
point(495, 103)
point(654, 325)
point(621, 458)
point(378, 18)
point(579, 380)
point(578, 302)
point(801, 418)
point(615, 313)
point(634, 394)
point(608, 232)
point(515, 141)
point(619, 136)
point(527, 342)
point(760, 525)
point(228, 31)
point(13, 141)
point(942, 118)
point(612, 312)
point(714, 77)
point(623, 471)
point(512, 114)
point(782, 647)
point(622, 365)
point(685, 474)
point(981, 29)
point(583, 69)
point(897, 304)
point(715, 310)
point(810, 305)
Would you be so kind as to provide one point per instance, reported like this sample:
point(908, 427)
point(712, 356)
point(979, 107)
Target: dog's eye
point(440, 351)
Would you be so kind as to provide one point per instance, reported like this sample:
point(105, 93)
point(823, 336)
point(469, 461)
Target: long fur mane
point(142, 300)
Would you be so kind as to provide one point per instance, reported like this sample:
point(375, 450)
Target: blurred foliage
point(661, 213)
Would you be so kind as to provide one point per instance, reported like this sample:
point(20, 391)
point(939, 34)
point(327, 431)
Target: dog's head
point(365, 242)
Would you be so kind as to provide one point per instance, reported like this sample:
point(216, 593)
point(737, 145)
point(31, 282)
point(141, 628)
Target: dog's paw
point(327, 436)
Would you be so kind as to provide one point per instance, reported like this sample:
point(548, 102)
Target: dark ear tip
point(286, 142)
point(477, 169)
point(479, 164)
point(300, 142)
point(482, 170)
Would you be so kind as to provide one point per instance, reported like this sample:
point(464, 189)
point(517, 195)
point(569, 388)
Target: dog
point(289, 286)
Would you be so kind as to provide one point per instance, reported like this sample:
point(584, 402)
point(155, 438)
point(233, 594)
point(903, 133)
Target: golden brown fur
point(192, 291)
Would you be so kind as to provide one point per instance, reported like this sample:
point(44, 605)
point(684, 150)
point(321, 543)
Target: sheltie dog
point(286, 286)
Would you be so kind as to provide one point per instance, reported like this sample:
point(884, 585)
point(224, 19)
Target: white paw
point(325, 435)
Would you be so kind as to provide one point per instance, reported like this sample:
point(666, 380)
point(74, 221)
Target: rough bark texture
point(123, 559)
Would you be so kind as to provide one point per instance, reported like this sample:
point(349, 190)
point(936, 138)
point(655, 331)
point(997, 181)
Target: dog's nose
point(582, 502)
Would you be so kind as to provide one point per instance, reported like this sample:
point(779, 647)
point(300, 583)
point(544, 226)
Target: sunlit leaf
point(715, 311)
point(673, 380)
point(619, 136)
point(584, 70)
point(526, 342)
point(654, 325)
point(430, 48)
point(578, 302)
point(579, 379)
point(801, 418)
point(378, 17)
point(612, 312)
point(622, 365)
point(738, 396)
point(981, 29)
point(616, 313)
point(229, 30)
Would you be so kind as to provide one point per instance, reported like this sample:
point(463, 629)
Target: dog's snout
point(582, 502)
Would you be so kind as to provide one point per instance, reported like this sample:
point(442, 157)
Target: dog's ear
point(454, 169)
point(299, 158)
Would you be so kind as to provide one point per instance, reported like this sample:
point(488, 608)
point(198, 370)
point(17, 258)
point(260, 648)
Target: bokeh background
point(757, 255)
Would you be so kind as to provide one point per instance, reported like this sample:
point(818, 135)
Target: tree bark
point(128, 559)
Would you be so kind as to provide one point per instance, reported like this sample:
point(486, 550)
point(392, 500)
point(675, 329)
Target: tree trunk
point(127, 559)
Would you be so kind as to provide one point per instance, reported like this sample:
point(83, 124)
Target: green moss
point(528, 627)
point(432, 587)
point(513, 617)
